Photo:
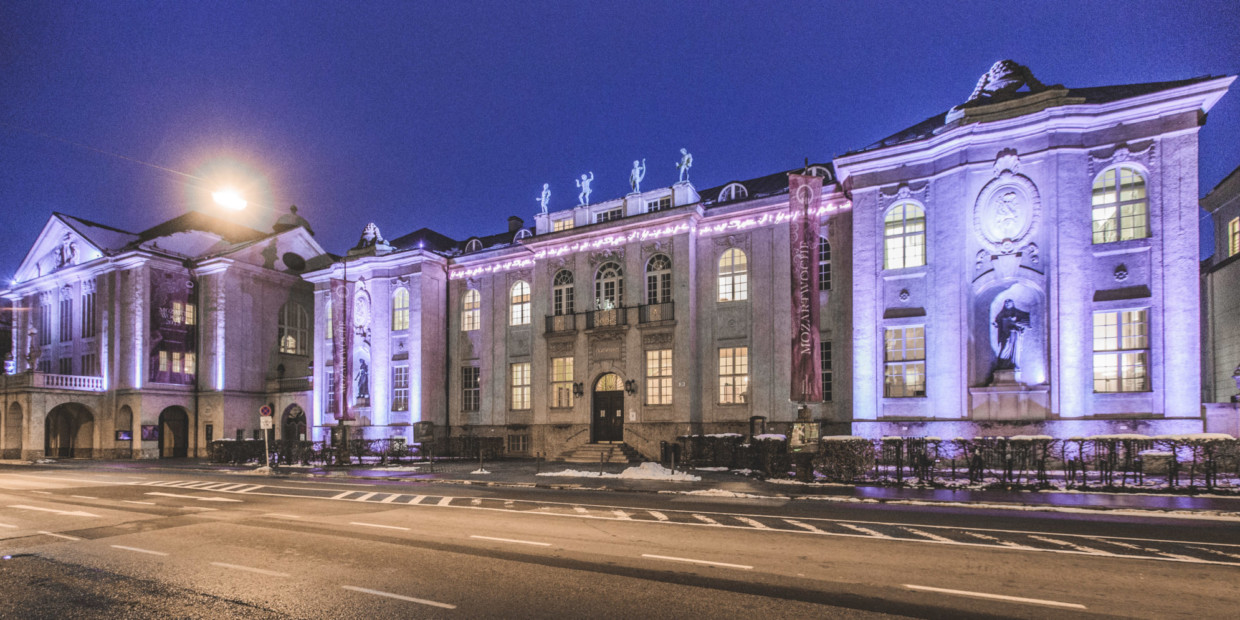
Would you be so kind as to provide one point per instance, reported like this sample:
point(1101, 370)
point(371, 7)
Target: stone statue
point(583, 198)
point(1004, 78)
point(370, 236)
point(686, 162)
point(545, 197)
point(67, 253)
point(1009, 323)
point(363, 380)
point(10, 364)
point(1007, 215)
point(636, 175)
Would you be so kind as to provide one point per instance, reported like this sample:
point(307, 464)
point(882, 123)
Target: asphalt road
point(86, 544)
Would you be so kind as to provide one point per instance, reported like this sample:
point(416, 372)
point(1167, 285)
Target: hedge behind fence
point(293, 452)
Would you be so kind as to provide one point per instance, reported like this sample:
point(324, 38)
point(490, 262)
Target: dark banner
point(342, 343)
point(804, 198)
point(174, 328)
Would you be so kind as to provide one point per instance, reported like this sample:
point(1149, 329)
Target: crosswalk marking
point(934, 537)
point(389, 499)
point(344, 494)
point(1071, 545)
point(444, 501)
point(580, 509)
point(705, 519)
point(365, 496)
point(752, 523)
point(622, 515)
point(864, 530)
point(658, 515)
point(416, 499)
point(804, 526)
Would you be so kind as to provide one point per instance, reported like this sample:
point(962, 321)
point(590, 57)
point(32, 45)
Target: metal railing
point(614, 317)
point(561, 323)
point(653, 313)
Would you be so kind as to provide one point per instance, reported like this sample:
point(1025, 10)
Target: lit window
point(824, 264)
point(1120, 210)
point(733, 191)
point(520, 385)
point(733, 276)
point(609, 215)
point(189, 363)
point(562, 381)
point(332, 405)
point(1121, 351)
point(471, 388)
point(733, 375)
point(327, 311)
point(904, 361)
point(473, 246)
point(519, 302)
point(609, 287)
point(400, 309)
point(824, 349)
point(565, 223)
point(662, 204)
point(659, 377)
point(163, 361)
point(562, 292)
point(190, 319)
point(904, 235)
point(1233, 236)
point(471, 311)
point(659, 279)
point(400, 388)
point(293, 325)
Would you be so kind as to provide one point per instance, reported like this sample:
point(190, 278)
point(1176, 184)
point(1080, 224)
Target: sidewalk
point(525, 474)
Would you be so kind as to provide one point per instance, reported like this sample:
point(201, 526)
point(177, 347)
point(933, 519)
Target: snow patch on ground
point(645, 471)
point(719, 493)
point(479, 471)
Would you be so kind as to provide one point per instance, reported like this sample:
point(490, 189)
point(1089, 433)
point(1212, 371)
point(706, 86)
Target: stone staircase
point(606, 452)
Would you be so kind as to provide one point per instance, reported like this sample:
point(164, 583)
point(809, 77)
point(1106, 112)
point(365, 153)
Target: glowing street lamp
point(229, 199)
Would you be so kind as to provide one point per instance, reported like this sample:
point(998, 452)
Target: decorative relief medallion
point(904, 295)
point(1006, 212)
point(1121, 272)
point(661, 246)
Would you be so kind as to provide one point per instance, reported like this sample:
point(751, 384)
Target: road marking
point(705, 519)
point(83, 497)
point(8, 526)
point(416, 499)
point(343, 495)
point(934, 537)
point(1216, 551)
point(400, 597)
point(219, 486)
point(752, 523)
point(692, 561)
point(42, 492)
point(197, 497)
point(59, 535)
point(68, 513)
point(444, 501)
point(804, 526)
point(282, 516)
point(658, 515)
point(365, 496)
point(130, 501)
point(389, 499)
point(622, 515)
point(231, 487)
point(477, 501)
point(1005, 543)
point(1073, 546)
point(389, 527)
point(863, 530)
point(581, 509)
point(269, 573)
point(250, 488)
point(512, 540)
point(135, 549)
point(198, 484)
point(997, 597)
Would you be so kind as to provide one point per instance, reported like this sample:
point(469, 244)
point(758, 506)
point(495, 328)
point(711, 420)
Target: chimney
point(515, 223)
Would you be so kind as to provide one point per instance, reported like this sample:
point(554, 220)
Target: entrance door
point(608, 409)
point(173, 433)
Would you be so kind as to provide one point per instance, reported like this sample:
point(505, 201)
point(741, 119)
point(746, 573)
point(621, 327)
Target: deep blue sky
point(451, 115)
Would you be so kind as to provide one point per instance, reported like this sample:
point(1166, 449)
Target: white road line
point(399, 597)
point(83, 497)
point(389, 499)
point(130, 501)
point(282, 516)
point(997, 597)
point(1158, 551)
point(581, 509)
point(197, 485)
point(692, 561)
point(752, 523)
point(477, 501)
point(509, 504)
point(1005, 543)
point(863, 530)
point(231, 487)
point(201, 498)
point(218, 486)
point(249, 488)
point(934, 537)
point(365, 496)
point(386, 527)
point(8, 526)
point(658, 515)
point(42, 492)
point(705, 519)
point(70, 513)
point(622, 515)
point(343, 495)
point(137, 550)
point(512, 540)
point(804, 526)
point(444, 501)
point(59, 535)
point(1216, 552)
point(260, 571)
point(416, 499)
point(1073, 546)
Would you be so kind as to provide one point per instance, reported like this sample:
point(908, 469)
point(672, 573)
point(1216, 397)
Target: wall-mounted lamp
point(630, 387)
point(579, 389)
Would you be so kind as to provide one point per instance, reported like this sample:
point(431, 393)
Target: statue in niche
point(1009, 324)
point(67, 253)
point(636, 175)
point(686, 162)
point(545, 197)
point(583, 198)
point(363, 381)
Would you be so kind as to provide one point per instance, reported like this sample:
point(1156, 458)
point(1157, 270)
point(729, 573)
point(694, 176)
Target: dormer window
point(819, 171)
point(733, 191)
point(662, 204)
point(524, 233)
point(474, 245)
point(608, 215)
point(564, 223)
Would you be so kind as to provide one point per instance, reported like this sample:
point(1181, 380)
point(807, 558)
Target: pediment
point(57, 247)
point(293, 251)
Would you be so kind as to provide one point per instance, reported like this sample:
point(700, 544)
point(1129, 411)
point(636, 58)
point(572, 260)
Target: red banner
point(804, 198)
point(342, 344)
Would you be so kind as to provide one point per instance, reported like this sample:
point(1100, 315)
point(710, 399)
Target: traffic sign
point(265, 422)
point(264, 411)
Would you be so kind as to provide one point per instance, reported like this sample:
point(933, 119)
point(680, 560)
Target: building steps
point(601, 452)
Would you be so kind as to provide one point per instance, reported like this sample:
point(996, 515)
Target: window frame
point(659, 280)
point(1117, 218)
point(400, 389)
point(601, 283)
point(905, 234)
point(471, 388)
point(825, 370)
point(562, 383)
point(520, 384)
point(733, 385)
point(471, 310)
point(400, 309)
point(824, 263)
point(659, 375)
point(562, 293)
point(735, 281)
point(293, 337)
point(1233, 237)
point(910, 358)
point(519, 304)
point(1121, 351)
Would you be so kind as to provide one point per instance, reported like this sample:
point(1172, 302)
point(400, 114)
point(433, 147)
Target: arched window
point(293, 325)
point(608, 287)
point(524, 233)
point(400, 309)
point(471, 311)
point(473, 246)
point(820, 171)
point(733, 276)
point(659, 279)
point(904, 236)
point(562, 292)
point(824, 264)
point(1120, 207)
point(733, 191)
point(519, 301)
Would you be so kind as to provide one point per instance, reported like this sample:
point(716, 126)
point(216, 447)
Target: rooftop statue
point(686, 162)
point(636, 175)
point(370, 236)
point(545, 197)
point(1004, 78)
point(583, 198)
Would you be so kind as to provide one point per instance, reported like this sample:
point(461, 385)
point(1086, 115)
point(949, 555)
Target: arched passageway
point(12, 448)
point(173, 433)
point(293, 423)
point(69, 432)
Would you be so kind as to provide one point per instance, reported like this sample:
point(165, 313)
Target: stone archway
point(173, 433)
point(12, 448)
point(293, 423)
point(69, 432)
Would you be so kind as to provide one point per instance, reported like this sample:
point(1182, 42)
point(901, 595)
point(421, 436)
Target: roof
point(202, 222)
point(1090, 95)
point(760, 187)
point(425, 239)
point(104, 237)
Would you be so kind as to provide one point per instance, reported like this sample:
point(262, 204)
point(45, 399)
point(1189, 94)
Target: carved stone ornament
point(1006, 212)
point(560, 347)
point(904, 295)
point(361, 306)
point(523, 275)
point(1121, 272)
point(1007, 160)
point(45, 298)
point(1140, 153)
point(66, 292)
point(604, 256)
point(982, 255)
point(557, 263)
point(370, 236)
point(1031, 251)
point(658, 339)
point(88, 285)
point(1004, 78)
point(660, 246)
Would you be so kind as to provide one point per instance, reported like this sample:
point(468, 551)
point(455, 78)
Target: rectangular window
point(471, 388)
point(331, 391)
point(163, 361)
point(904, 360)
point(190, 370)
point(659, 377)
point(661, 204)
point(65, 365)
point(89, 325)
point(609, 215)
point(400, 388)
point(90, 365)
point(733, 375)
point(190, 318)
point(518, 443)
point(327, 327)
point(1121, 351)
point(824, 348)
point(562, 224)
point(178, 313)
point(177, 364)
point(66, 320)
point(45, 324)
point(562, 381)
point(45, 366)
point(824, 264)
point(1233, 236)
point(520, 385)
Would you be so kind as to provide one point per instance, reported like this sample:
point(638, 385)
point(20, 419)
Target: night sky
point(451, 115)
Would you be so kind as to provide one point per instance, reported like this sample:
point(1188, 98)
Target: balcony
point(289, 384)
point(561, 323)
point(77, 383)
point(615, 317)
point(654, 313)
